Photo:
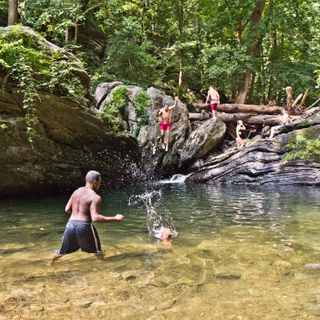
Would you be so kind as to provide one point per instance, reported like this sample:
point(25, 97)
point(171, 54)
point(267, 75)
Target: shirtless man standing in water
point(165, 124)
point(84, 206)
point(214, 98)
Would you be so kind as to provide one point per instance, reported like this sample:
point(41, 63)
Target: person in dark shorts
point(84, 206)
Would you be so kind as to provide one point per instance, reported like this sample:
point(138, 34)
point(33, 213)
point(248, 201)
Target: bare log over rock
point(250, 108)
point(270, 120)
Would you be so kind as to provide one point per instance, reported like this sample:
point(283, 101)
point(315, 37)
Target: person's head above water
point(166, 234)
point(93, 179)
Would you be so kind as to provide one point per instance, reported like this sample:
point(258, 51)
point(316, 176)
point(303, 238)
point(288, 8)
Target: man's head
point(239, 123)
point(93, 178)
point(165, 105)
point(166, 234)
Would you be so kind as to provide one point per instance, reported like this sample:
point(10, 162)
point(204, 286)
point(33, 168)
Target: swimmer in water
point(166, 235)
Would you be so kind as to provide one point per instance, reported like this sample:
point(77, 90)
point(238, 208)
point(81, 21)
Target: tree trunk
point(12, 12)
point(270, 120)
point(303, 99)
point(254, 41)
point(66, 36)
point(180, 12)
point(289, 98)
point(246, 108)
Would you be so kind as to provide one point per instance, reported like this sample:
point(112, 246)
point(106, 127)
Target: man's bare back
point(80, 202)
point(213, 94)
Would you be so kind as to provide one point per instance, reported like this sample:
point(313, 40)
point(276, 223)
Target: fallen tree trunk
point(270, 120)
point(250, 108)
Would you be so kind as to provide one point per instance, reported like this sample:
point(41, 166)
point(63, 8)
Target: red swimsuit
point(213, 104)
point(165, 125)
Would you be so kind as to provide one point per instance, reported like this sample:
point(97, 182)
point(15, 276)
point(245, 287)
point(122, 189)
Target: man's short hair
point(92, 176)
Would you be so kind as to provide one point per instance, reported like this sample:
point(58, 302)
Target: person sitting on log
point(284, 120)
point(214, 98)
point(239, 130)
point(165, 124)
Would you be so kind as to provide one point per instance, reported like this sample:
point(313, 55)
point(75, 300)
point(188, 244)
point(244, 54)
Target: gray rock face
point(70, 141)
point(262, 162)
point(167, 162)
point(202, 140)
point(153, 158)
point(103, 90)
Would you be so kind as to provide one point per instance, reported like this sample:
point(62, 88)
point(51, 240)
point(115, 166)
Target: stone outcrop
point(202, 140)
point(262, 162)
point(199, 149)
point(154, 159)
point(70, 140)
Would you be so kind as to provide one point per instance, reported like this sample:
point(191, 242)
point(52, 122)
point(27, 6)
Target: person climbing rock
point(239, 131)
point(284, 120)
point(165, 124)
point(84, 206)
point(214, 98)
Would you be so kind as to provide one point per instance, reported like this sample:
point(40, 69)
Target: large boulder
point(142, 123)
point(70, 140)
point(202, 140)
point(102, 92)
point(156, 159)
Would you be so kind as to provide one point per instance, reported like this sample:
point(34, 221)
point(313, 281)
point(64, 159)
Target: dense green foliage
point(199, 42)
point(34, 68)
point(304, 146)
point(113, 112)
point(142, 103)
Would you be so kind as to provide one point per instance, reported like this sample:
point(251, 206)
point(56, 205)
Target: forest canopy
point(249, 50)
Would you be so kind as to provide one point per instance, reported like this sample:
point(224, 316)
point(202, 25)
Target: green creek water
point(241, 253)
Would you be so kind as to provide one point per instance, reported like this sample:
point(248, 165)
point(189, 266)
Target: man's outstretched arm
point(175, 103)
point(96, 216)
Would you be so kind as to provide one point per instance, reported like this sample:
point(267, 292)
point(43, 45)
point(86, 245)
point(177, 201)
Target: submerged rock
point(227, 276)
point(312, 266)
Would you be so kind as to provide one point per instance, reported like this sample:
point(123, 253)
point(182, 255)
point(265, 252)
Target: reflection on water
point(241, 253)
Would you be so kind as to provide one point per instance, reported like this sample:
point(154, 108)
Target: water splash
point(176, 178)
point(155, 221)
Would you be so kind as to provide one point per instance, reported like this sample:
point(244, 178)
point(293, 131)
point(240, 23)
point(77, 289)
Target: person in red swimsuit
point(214, 98)
point(165, 124)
